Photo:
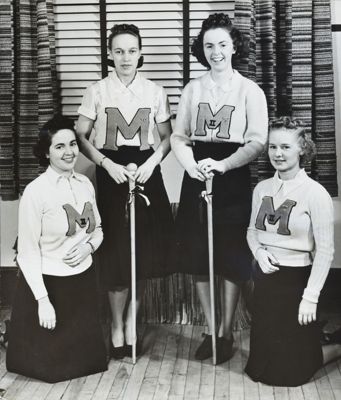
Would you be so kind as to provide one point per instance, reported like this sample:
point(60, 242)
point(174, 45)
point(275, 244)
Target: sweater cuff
point(311, 295)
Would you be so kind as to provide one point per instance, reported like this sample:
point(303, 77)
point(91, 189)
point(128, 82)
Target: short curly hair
point(49, 129)
point(214, 21)
point(119, 29)
point(296, 126)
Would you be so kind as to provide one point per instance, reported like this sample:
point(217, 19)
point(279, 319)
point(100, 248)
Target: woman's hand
point(306, 312)
point(46, 313)
point(266, 261)
point(118, 172)
point(144, 172)
point(77, 254)
point(208, 166)
point(195, 173)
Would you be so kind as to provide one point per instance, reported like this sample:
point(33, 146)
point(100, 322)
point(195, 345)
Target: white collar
point(290, 184)
point(135, 86)
point(230, 85)
point(54, 177)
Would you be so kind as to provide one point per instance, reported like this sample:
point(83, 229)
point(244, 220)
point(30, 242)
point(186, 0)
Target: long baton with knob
point(209, 184)
point(132, 169)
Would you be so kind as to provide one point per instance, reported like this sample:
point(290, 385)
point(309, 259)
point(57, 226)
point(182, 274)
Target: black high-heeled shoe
point(4, 333)
point(129, 349)
point(117, 352)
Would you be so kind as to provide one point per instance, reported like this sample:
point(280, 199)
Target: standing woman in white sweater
point(221, 126)
point(55, 332)
point(291, 237)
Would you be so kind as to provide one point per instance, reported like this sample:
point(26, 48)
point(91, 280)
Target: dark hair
point(214, 21)
point(296, 126)
point(49, 129)
point(119, 29)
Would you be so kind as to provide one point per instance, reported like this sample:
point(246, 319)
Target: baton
point(132, 169)
point(209, 183)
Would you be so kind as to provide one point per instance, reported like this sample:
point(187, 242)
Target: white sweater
point(55, 214)
point(293, 220)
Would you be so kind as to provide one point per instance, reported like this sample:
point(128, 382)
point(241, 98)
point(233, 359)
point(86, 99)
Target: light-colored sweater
point(55, 214)
point(293, 220)
point(232, 113)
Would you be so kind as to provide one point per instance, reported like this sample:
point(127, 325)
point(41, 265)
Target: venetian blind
point(162, 24)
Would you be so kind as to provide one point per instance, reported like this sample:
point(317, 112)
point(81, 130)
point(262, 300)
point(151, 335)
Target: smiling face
point(63, 151)
point(218, 49)
point(284, 152)
point(125, 53)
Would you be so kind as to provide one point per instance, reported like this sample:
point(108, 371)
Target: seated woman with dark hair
point(291, 237)
point(55, 332)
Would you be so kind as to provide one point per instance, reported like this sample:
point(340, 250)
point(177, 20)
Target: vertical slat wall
point(161, 23)
point(78, 49)
point(200, 10)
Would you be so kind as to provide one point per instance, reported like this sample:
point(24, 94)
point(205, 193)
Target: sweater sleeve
point(88, 106)
point(244, 155)
point(322, 220)
point(180, 139)
point(29, 232)
point(96, 236)
point(252, 234)
point(256, 115)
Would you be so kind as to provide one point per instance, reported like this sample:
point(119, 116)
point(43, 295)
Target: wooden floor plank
point(138, 372)
point(323, 385)
point(310, 391)
point(27, 393)
point(236, 370)
point(120, 381)
point(251, 388)
point(57, 390)
point(281, 393)
point(334, 377)
point(168, 364)
point(15, 387)
point(156, 340)
point(74, 388)
point(168, 370)
point(89, 387)
point(193, 377)
point(296, 393)
point(178, 383)
point(103, 389)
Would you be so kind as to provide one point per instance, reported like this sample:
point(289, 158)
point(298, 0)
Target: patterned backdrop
point(28, 86)
point(290, 56)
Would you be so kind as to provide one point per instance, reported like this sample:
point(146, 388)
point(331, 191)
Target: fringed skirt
point(231, 214)
point(282, 352)
point(154, 223)
point(74, 348)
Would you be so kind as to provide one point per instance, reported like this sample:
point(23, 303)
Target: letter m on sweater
point(281, 215)
point(138, 125)
point(221, 120)
point(82, 220)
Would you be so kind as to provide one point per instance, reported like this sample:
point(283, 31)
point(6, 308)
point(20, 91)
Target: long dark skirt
point(154, 223)
point(282, 352)
point(231, 215)
point(74, 348)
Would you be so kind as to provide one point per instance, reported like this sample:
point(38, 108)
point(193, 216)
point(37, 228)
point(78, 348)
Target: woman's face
point(218, 49)
point(125, 53)
point(63, 151)
point(284, 152)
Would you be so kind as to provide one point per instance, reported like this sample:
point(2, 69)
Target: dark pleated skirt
point(154, 223)
point(282, 352)
point(74, 348)
point(231, 214)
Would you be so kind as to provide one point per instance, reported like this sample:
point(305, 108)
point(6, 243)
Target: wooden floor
point(167, 370)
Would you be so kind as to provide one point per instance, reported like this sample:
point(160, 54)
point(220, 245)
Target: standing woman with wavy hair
point(221, 127)
point(122, 110)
